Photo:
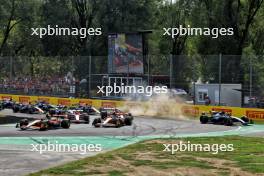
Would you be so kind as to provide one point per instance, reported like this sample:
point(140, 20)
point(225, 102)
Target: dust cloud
point(161, 105)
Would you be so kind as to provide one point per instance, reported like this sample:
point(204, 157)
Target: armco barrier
point(189, 110)
point(63, 101)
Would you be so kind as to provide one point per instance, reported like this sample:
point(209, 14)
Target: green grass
point(248, 155)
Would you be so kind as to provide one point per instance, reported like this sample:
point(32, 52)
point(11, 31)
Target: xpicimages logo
point(189, 147)
point(123, 89)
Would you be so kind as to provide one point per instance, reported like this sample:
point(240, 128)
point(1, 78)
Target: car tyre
point(245, 119)
point(228, 122)
point(86, 118)
point(65, 124)
point(118, 123)
point(204, 119)
point(96, 122)
point(128, 121)
point(43, 126)
point(103, 114)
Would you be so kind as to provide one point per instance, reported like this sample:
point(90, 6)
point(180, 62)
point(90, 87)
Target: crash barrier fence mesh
point(80, 77)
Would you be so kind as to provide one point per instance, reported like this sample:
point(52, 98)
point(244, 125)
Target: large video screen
point(125, 53)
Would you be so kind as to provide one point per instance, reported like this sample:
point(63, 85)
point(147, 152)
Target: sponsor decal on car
point(255, 114)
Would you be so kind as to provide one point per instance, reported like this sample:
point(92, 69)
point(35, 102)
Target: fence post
point(11, 68)
point(90, 78)
point(220, 77)
point(171, 67)
point(148, 69)
point(193, 73)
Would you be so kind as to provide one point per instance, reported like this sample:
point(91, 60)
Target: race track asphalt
point(16, 157)
point(142, 126)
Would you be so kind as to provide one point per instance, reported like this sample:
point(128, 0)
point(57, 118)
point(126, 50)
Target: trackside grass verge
point(148, 158)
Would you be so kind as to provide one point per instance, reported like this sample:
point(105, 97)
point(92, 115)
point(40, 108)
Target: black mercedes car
point(222, 118)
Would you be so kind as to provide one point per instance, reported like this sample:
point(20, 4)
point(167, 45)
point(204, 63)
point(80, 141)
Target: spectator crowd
point(46, 85)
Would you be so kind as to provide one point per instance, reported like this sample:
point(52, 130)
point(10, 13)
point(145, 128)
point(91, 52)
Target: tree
point(10, 18)
point(239, 15)
point(83, 16)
